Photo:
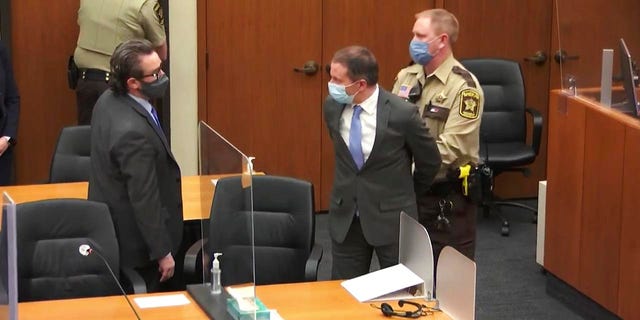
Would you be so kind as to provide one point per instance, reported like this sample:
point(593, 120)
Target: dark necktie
point(355, 137)
point(154, 115)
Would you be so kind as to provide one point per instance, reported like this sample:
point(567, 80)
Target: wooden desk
point(322, 300)
point(308, 301)
point(592, 221)
point(197, 193)
point(111, 307)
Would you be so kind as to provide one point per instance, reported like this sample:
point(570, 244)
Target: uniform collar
point(417, 70)
point(443, 71)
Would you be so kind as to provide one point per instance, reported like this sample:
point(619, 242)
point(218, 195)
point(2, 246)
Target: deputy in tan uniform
point(450, 101)
point(103, 25)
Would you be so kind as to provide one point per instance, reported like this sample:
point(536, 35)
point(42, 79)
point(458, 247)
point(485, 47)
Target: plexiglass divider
point(219, 159)
point(8, 260)
point(586, 32)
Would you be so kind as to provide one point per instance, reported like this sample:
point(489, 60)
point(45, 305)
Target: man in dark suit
point(376, 137)
point(9, 111)
point(132, 168)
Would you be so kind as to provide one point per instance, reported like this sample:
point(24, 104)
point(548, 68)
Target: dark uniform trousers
point(87, 93)
point(460, 232)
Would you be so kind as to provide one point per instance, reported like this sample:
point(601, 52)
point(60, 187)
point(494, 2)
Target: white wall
point(183, 44)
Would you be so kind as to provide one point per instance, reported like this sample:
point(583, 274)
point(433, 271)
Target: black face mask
point(155, 89)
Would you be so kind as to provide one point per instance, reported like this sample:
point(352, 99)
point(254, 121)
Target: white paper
point(169, 300)
point(380, 284)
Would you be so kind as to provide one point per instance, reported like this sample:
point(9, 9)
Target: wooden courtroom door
point(256, 99)
point(512, 30)
point(43, 37)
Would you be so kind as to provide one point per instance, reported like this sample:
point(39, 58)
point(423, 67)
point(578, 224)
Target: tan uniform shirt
point(106, 23)
point(451, 105)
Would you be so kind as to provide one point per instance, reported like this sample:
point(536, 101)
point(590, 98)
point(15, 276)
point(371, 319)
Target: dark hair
point(125, 63)
point(359, 62)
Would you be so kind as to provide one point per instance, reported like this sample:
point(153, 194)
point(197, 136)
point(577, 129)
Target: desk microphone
point(86, 250)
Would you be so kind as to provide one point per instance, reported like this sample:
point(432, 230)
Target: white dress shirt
point(367, 121)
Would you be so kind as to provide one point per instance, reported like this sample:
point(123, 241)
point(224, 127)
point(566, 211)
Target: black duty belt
point(93, 74)
point(442, 188)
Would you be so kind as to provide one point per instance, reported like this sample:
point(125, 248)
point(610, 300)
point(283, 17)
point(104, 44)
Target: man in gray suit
point(132, 168)
point(376, 137)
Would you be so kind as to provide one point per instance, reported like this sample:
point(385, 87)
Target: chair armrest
point(134, 280)
point(193, 256)
point(311, 268)
point(536, 132)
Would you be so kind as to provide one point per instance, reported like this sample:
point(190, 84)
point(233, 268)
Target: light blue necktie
point(355, 137)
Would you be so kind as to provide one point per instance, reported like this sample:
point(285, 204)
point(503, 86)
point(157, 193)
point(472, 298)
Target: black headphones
point(388, 311)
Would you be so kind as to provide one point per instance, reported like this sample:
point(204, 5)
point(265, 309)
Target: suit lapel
point(334, 126)
point(141, 110)
point(382, 120)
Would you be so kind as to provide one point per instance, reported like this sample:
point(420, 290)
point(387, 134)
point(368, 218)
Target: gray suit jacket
point(384, 186)
point(134, 172)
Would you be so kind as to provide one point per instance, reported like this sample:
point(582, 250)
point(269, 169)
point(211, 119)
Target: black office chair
point(284, 231)
point(72, 156)
point(503, 130)
point(50, 266)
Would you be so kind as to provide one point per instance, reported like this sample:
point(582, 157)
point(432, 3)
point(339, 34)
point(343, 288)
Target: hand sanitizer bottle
point(216, 286)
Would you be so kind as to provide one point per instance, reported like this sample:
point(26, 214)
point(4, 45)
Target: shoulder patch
point(469, 103)
point(159, 15)
point(465, 75)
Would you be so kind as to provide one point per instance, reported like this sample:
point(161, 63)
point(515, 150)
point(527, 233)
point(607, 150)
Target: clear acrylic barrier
point(456, 284)
point(583, 29)
point(416, 252)
point(8, 260)
point(218, 158)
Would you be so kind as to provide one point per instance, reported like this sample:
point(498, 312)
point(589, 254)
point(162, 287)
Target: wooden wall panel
point(577, 27)
point(564, 188)
point(629, 289)
point(254, 97)
point(601, 208)
point(43, 36)
point(592, 223)
point(511, 30)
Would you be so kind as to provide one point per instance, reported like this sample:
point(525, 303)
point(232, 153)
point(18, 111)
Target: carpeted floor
point(510, 284)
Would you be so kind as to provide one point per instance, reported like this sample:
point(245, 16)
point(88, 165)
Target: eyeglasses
point(156, 75)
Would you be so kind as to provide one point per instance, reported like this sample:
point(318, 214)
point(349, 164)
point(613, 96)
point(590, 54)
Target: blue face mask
point(420, 52)
point(339, 93)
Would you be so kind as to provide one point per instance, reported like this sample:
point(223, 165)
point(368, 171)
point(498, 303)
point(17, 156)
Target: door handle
point(562, 56)
point(538, 58)
point(309, 68)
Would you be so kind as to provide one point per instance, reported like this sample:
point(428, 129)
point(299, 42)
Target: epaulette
point(465, 75)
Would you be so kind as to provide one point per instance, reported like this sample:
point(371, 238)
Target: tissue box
point(261, 314)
